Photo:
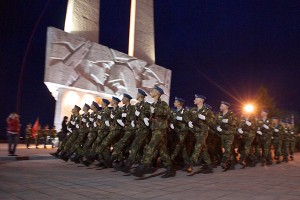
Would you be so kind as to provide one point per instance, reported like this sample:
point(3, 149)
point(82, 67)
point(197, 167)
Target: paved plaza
point(34, 174)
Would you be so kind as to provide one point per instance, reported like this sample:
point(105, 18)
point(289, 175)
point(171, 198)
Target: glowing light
point(132, 27)
point(71, 99)
point(88, 99)
point(69, 17)
point(249, 108)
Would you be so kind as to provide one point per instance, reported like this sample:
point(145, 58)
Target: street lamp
point(249, 108)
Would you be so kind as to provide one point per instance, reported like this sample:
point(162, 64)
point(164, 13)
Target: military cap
point(208, 106)
point(77, 107)
point(106, 101)
point(180, 99)
point(87, 106)
point(161, 91)
point(142, 92)
point(225, 103)
point(116, 99)
point(127, 96)
point(96, 105)
point(200, 96)
point(265, 110)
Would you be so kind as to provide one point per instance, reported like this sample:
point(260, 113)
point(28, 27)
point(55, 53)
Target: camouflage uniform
point(115, 133)
point(286, 143)
point(277, 134)
point(292, 143)
point(29, 136)
point(128, 118)
point(159, 125)
point(200, 130)
point(179, 119)
point(246, 129)
point(227, 133)
point(264, 126)
point(142, 111)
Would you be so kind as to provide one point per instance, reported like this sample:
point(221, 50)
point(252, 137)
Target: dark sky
point(222, 49)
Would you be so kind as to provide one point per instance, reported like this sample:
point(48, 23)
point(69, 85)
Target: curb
point(19, 158)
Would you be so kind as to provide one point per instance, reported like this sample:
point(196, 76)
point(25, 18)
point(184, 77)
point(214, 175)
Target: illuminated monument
point(78, 70)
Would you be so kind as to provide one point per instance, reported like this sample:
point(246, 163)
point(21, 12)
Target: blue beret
point(127, 96)
point(105, 101)
point(116, 99)
point(142, 92)
point(180, 99)
point(87, 106)
point(96, 105)
point(159, 89)
point(200, 96)
point(77, 107)
point(208, 106)
point(225, 103)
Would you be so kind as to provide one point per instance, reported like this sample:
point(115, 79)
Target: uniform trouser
point(91, 137)
point(199, 147)
point(181, 146)
point(292, 146)
point(97, 142)
point(64, 142)
point(79, 141)
point(71, 141)
point(138, 143)
point(227, 141)
point(265, 142)
point(247, 140)
point(103, 150)
point(123, 144)
point(157, 143)
point(214, 146)
point(285, 148)
point(257, 146)
point(277, 144)
point(28, 140)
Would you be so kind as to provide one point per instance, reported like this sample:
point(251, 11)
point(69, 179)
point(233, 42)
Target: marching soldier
point(200, 118)
point(286, 141)
point(179, 120)
point(45, 135)
point(226, 126)
point(246, 129)
point(277, 131)
point(160, 112)
point(128, 119)
point(264, 135)
point(29, 136)
point(53, 135)
point(142, 115)
point(293, 140)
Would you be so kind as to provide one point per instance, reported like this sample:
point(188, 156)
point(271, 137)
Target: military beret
point(116, 99)
point(77, 107)
point(265, 110)
point(127, 96)
point(208, 106)
point(180, 99)
point(87, 106)
point(96, 105)
point(161, 91)
point(142, 92)
point(105, 101)
point(225, 103)
point(200, 96)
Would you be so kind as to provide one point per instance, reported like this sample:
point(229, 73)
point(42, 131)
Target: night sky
point(225, 50)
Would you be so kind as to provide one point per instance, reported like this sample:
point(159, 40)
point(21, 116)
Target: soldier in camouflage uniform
point(292, 141)
point(45, 132)
point(179, 124)
point(247, 131)
point(115, 133)
point(264, 134)
point(74, 121)
point(128, 119)
point(200, 118)
point(160, 113)
point(286, 141)
point(277, 132)
point(29, 136)
point(226, 126)
point(53, 135)
point(82, 134)
point(142, 115)
point(98, 129)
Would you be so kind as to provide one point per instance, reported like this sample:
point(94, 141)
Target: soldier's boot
point(189, 167)
point(225, 166)
point(285, 159)
point(263, 162)
point(55, 154)
point(208, 169)
point(107, 163)
point(140, 170)
point(269, 162)
point(279, 160)
point(169, 173)
point(291, 157)
point(232, 165)
point(76, 159)
point(118, 165)
point(126, 167)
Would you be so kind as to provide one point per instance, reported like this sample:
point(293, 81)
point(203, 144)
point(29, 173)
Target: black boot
point(169, 173)
point(126, 167)
point(208, 169)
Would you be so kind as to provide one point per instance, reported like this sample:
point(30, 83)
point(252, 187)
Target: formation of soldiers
point(44, 136)
point(151, 134)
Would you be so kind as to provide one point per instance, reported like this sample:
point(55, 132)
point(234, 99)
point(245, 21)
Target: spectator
point(13, 130)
